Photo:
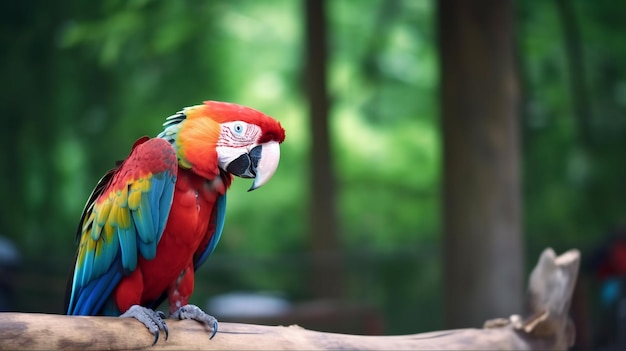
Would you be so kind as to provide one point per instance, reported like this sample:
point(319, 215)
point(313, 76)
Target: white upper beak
point(270, 155)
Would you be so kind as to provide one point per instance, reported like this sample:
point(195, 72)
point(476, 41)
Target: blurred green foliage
point(83, 80)
point(574, 166)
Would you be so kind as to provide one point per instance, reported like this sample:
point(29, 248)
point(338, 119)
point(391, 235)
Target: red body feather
point(187, 231)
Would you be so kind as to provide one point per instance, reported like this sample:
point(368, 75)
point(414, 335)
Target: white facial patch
point(238, 134)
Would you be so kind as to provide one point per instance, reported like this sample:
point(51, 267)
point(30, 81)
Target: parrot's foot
point(194, 312)
point(153, 320)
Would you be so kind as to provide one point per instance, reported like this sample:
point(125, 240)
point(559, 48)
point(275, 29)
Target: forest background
point(83, 80)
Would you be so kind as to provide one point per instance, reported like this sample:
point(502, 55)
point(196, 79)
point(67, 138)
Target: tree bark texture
point(547, 327)
point(483, 250)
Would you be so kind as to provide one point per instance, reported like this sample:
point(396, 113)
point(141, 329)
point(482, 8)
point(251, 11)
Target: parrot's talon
point(194, 312)
point(153, 320)
point(165, 329)
point(214, 330)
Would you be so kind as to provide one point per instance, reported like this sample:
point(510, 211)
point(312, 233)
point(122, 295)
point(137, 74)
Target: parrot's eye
point(238, 128)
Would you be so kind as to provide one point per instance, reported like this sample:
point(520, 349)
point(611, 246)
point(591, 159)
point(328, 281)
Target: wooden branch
point(548, 327)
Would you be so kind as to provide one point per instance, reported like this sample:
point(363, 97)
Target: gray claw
point(154, 321)
point(214, 329)
point(194, 312)
point(164, 326)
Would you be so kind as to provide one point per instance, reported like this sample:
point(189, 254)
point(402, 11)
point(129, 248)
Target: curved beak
point(259, 163)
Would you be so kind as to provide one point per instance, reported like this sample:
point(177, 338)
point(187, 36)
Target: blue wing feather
point(155, 207)
point(128, 245)
point(219, 218)
point(95, 294)
point(165, 204)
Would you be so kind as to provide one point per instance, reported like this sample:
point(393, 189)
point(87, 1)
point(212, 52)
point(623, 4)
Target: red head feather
point(225, 112)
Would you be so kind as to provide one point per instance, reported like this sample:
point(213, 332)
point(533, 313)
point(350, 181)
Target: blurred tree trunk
point(483, 249)
point(327, 271)
point(576, 67)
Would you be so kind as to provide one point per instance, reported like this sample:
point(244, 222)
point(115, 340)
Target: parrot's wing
point(215, 232)
point(125, 216)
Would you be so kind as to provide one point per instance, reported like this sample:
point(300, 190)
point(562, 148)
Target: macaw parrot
point(154, 219)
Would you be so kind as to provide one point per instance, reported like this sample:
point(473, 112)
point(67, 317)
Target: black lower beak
point(245, 165)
